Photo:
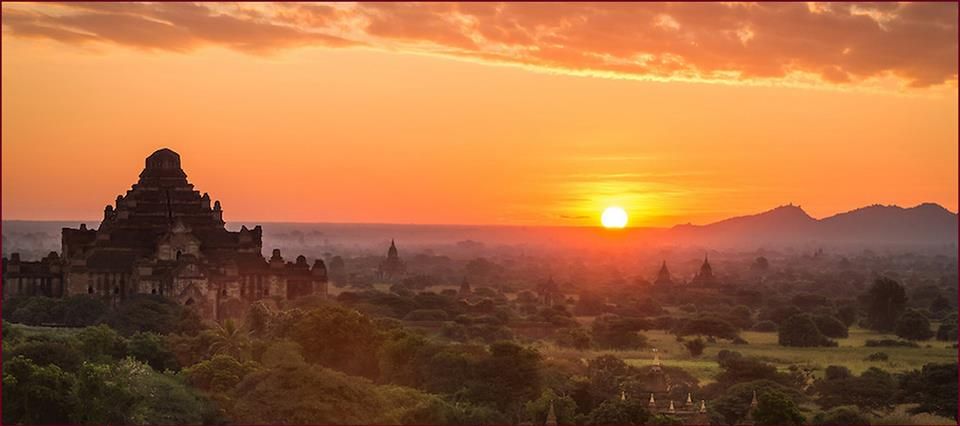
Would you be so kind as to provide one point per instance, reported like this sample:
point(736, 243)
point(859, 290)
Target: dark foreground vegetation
point(419, 357)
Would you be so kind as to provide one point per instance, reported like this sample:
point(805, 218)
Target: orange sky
point(521, 114)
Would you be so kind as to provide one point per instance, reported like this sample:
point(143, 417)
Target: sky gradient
point(483, 113)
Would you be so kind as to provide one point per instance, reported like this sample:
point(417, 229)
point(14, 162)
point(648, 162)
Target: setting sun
point(614, 217)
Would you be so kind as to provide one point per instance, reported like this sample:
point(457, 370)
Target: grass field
point(850, 353)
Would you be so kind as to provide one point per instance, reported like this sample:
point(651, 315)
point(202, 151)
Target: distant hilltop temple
point(164, 238)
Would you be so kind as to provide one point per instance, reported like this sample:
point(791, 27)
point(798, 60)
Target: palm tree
point(228, 339)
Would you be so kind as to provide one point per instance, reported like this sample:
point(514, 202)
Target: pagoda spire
point(551, 416)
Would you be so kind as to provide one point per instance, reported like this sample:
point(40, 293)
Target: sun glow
point(614, 217)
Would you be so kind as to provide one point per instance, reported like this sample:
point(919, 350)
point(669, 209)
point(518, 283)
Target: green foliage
point(129, 392)
point(830, 326)
point(889, 343)
point(506, 378)
point(61, 353)
point(152, 349)
point(738, 369)
point(734, 403)
point(218, 374)
point(695, 347)
point(847, 312)
point(83, 310)
point(619, 412)
point(613, 332)
point(33, 310)
point(845, 415)
point(34, 394)
point(339, 338)
point(934, 387)
point(229, 339)
point(885, 302)
point(801, 330)
point(101, 343)
point(913, 325)
point(776, 408)
point(564, 408)
point(152, 313)
point(293, 392)
point(874, 389)
point(576, 338)
point(947, 331)
point(708, 326)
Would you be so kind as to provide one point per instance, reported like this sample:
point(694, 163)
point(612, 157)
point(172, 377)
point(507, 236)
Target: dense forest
point(414, 356)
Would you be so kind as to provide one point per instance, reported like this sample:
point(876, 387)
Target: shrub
point(844, 415)
point(890, 343)
point(913, 325)
point(800, 331)
point(878, 356)
point(830, 326)
point(695, 347)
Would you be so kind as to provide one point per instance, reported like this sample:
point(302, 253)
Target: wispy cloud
point(836, 44)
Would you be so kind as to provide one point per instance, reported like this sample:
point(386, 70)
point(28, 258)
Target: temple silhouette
point(163, 237)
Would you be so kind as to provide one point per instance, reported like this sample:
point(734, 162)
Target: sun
point(614, 217)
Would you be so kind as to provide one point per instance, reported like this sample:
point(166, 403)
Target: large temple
point(163, 237)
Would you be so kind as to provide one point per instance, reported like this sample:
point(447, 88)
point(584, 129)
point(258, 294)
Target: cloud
point(836, 43)
point(161, 26)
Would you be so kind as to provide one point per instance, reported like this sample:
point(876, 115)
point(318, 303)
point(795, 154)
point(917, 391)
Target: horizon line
point(244, 222)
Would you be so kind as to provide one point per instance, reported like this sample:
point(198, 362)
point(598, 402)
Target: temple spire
point(551, 416)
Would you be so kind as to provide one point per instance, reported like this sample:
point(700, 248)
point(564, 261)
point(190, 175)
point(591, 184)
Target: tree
point(947, 331)
point(934, 387)
point(563, 407)
point(775, 408)
point(152, 349)
point(708, 326)
point(801, 330)
point(612, 332)
point(506, 378)
point(913, 325)
point(830, 326)
point(33, 310)
point(218, 374)
point(101, 344)
point(885, 302)
point(83, 310)
point(874, 389)
point(229, 339)
point(154, 313)
point(734, 403)
point(847, 312)
point(576, 338)
point(294, 392)
point(338, 338)
point(845, 415)
point(695, 347)
point(35, 394)
point(62, 354)
point(619, 412)
point(940, 305)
